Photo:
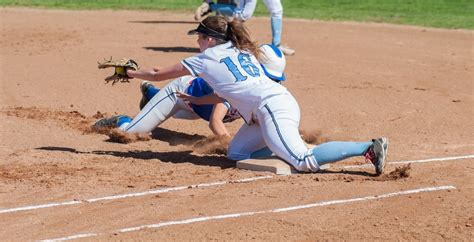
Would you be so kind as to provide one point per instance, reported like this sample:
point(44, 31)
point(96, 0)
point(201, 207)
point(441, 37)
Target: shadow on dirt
point(163, 22)
point(354, 173)
point(171, 156)
point(173, 49)
point(174, 137)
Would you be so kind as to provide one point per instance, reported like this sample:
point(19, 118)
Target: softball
point(120, 70)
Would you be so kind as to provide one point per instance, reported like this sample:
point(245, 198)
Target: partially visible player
point(157, 105)
point(229, 63)
point(219, 7)
point(243, 11)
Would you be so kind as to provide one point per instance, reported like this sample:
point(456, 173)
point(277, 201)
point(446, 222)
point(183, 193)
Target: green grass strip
point(432, 13)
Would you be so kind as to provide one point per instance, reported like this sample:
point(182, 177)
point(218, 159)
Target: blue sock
point(151, 92)
point(264, 152)
point(276, 31)
point(336, 151)
point(123, 119)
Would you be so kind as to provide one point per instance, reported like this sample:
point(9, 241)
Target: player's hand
point(187, 98)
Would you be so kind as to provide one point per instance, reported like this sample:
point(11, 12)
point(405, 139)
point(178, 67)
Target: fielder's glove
point(121, 67)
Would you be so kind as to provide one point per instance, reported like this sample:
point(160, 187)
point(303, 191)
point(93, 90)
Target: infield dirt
point(353, 81)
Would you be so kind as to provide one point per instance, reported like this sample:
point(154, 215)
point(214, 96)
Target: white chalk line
point(127, 195)
point(415, 161)
point(275, 210)
point(77, 236)
point(49, 205)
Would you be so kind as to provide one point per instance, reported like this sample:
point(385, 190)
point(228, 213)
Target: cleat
point(377, 154)
point(286, 50)
point(202, 12)
point(144, 87)
point(108, 123)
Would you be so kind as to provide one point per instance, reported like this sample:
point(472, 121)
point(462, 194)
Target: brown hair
point(236, 32)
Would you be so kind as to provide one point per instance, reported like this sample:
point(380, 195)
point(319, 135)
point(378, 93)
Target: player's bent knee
point(305, 169)
point(233, 157)
point(236, 156)
point(306, 166)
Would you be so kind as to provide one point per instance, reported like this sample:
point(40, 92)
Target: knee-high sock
point(276, 30)
point(151, 92)
point(123, 119)
point(336, 151)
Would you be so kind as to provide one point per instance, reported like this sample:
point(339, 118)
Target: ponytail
point(240, 37)
point(234, 31)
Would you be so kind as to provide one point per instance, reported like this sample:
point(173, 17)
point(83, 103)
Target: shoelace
point(370, 155)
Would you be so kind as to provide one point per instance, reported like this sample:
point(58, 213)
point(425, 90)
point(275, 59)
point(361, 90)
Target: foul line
point(276, 210)
point(137, 194)
point(416, 161)
point(77, 236)
point(33, 207)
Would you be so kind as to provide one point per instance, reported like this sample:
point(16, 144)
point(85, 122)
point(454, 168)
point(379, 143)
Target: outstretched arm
point(159, 74)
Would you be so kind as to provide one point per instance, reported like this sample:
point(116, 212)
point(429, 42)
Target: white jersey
point(235, 76)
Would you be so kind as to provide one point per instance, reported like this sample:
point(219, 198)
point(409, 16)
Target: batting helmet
point(273, 63)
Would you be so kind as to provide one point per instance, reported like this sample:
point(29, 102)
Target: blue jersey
point(198, 88)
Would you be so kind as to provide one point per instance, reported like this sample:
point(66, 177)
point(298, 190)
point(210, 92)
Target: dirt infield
point(353, 82)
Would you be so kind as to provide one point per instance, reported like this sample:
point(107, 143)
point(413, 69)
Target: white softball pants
point(162, 106)
point(246, 8)
point(276, 128)
point(274, 8)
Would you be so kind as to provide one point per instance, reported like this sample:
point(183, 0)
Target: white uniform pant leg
point(247, 140)
point(279, 121)
point(186, 114)
point(245, 9)
point(274, 8)
point(161, 107)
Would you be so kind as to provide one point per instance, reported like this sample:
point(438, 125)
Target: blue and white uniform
point(164, 104)
point(245, 10)
point(198, 88)
point(271, 113)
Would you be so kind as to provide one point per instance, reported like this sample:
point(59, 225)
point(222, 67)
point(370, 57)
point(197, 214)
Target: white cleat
point(377, 154)
point(286, 50)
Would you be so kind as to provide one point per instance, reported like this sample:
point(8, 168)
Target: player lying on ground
point(158, 105)
point(229, 63)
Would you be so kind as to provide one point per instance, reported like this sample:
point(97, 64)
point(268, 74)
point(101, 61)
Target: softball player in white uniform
point(229, 65)
point(157, 105)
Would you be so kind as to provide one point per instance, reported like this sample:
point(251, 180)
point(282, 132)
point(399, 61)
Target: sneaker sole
point(286, 52)
point(105, 123)
point(382, 162)
point(144, 100)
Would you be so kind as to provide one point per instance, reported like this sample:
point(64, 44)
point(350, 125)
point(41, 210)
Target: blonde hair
point(236, 32)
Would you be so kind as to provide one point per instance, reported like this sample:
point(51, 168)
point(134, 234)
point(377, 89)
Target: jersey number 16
point(246, 64)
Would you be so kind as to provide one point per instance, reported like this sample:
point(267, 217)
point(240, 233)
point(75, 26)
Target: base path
point(353, 81)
